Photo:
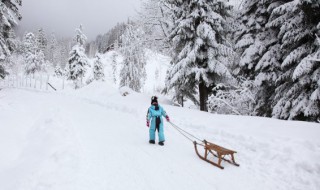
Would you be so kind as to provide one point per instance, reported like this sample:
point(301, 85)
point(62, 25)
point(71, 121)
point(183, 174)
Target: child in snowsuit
point(154, 114)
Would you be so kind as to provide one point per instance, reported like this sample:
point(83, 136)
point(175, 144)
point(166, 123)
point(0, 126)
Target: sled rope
point(186, 134)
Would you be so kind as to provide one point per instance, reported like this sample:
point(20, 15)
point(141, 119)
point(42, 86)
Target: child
point(154, 114)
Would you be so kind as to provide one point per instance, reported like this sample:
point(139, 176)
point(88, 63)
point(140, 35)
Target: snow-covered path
point(97, 139)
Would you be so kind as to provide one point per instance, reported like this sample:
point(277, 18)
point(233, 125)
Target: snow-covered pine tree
point(34, 57)
point(98, 68)
point(42, 40)
point(251, 35)
point(200, 48)
point(29, 43)
point(9, 11)
point(80, 38)
point(52, 46)
point(133, 72)
point(58, 71)
point(78, 60)
point(259, 49)
point(297, 93)
point(114, 66)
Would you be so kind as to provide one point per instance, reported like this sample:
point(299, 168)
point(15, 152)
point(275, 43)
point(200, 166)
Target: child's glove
point(148, 124)
point(167, 118)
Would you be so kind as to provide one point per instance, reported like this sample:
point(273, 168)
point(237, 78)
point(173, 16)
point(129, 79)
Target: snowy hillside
point(94, 138)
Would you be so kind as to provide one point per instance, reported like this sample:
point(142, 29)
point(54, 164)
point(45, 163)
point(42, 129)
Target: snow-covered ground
point(94, 138)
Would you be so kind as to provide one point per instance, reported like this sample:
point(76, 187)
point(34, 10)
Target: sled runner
point(216, 151)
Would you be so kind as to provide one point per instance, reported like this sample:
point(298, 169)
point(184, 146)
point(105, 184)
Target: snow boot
point(161, 143)
point(152, 142)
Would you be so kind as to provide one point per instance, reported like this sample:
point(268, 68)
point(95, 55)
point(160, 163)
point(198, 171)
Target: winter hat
point(154, 99)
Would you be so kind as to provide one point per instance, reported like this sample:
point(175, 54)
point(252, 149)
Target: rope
point(185, 134)
point(174, 125)
point(182, 133)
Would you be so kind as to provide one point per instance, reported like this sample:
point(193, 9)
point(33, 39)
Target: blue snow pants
point(155, 115)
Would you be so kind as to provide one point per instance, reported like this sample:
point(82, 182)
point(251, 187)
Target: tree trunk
point(182, 101)
point(203, 96)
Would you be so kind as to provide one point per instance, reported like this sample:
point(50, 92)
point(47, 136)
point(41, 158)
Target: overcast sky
point(63, 16)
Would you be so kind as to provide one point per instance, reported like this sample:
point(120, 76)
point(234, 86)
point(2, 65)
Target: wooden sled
point(216, 151)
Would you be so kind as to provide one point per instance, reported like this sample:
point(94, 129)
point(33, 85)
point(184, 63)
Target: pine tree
point(297, 92)
point(114, 66)
point(133, 72)
point(34, 57)
point(200, 48)
point(9, 11)
point(80, 38)
point(259, 49)
point(98, 68)
point(42, 40)
point(78, 60)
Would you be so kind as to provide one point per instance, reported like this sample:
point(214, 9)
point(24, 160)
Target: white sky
point(63, 16)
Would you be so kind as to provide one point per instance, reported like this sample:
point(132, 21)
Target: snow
point(95, 138)
point(156, 67)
